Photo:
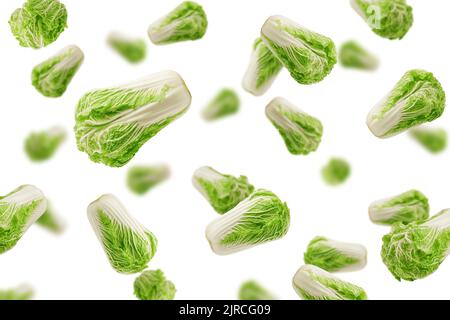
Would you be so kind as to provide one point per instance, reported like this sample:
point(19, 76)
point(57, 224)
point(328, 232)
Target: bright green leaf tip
point(224, 104)
point(38, 23)
point(301, 132)
point(252, 290)
point(307, 55)
point(416, 250)
point(153, 285)
point(20, 293)
point(407, 207)
point(353, 55)
point(260, 218)
point(336, 171)
point(335, 256)
point(141, 179)
point(41, 146)
point(18, 211)
point(131, 49)
point(433, 140)
point(222, 191)
point(187, 21)
point(128, 245)
point(52, 77)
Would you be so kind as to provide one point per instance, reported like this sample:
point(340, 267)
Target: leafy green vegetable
point(224, 104)
point(407, 207)
point(222, 191)
point(38, 23)
point(353, 55)
point(41, 146)
point(252, 290)
point(133, 50)
point(416, 250)
point(335, 256)
point(260, 218)
point(417, 98)
point(153, 285)
point(336, 172)
point(434, 140)
point(264, 67)
point(390, 19)
point(188, 21)
point(301, 132)
point(19, 209)
point(141, 179)
point(112, 124)
point(128, 245)
point(307, 55)
point(50, 220)
point(53, 76)
point(313, 283)
point(19, 293)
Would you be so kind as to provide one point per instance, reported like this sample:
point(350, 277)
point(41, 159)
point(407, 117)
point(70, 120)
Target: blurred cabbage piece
point(153, 285)
point(112, 124)
point(52, 77)
point(133, 50)
point(188, 21)
point(417, 98)
point(19, 209)
point(313, 283)
point(336, 171)
point(252, 290)
point(23, 292)
point(352, 55)
point(142, 178)
point(390, 19)
point(38, 23)
point(432, 139)
point(50, 220)
point(224, 104)
point(260, 218)
point(41, 146)
point(222, 191)
point(301, 132)
point(262, 71)
point(307, 55)
point(406, 207)
point(416, 250)
point(128, 245)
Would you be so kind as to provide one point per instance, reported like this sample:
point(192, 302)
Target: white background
point(74, 266)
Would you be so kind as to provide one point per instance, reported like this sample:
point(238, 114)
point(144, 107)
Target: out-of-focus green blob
point(20, 293)
point(416, 250)
point(390, 19)
point(417, 98)
point(41, 146)
point(53, 76)
point(336, 171)
point(141, 179)
point(133, 50)
point(335, 256)
point(313, 283)
point(112, 124)
point(128, 245)
point(263, 68)
point(260, 218)
point(153, 285)
point(407, 207)
point(222, 191)
point(252, 290)
point(307, 55)
point(225, 103)
point(18, 211)
point(188, 21)
point(50, 220)
point(434, 140)
point(301, 132)
point(38, 23)
point(353, 55)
